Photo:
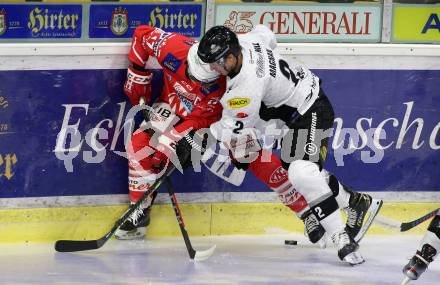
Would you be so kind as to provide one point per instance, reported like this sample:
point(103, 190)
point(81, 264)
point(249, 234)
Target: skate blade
point(354, 259)
point(323, 241)
point(137, 234)
point(406, 281)
point(376, 205)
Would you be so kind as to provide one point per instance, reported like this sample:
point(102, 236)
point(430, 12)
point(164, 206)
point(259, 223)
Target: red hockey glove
point(138, 84)
point(175, 147)
point(165, 150)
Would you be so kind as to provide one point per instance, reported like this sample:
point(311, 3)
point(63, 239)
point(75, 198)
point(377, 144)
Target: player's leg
point(141, 176)
point(427, 252)
point(361, 208)
point(312, 185)
point(271, 172)
point(306, 146)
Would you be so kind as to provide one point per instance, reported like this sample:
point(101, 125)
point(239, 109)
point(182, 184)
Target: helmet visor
point(199, 70)
point(218, 65)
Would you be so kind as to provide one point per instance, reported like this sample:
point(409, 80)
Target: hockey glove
point(176, 148)
point(138, 84)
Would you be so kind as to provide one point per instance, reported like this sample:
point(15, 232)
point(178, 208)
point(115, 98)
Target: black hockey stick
point(409, 225)
point(193, 254)
point(80, 245)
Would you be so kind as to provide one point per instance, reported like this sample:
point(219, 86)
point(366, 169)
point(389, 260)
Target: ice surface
point(237, 260)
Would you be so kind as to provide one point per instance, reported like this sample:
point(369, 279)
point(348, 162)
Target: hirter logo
point(278, 175)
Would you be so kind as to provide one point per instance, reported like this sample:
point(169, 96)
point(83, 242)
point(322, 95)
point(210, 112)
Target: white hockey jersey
point(264, 77)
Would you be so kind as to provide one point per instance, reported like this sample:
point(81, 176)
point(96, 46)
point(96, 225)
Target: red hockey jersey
point(192, 101)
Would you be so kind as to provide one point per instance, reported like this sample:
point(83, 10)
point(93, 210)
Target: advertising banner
point(386, 137)
point(293, 22)
point(120, 21)
point(32, 21)
point(416, 23)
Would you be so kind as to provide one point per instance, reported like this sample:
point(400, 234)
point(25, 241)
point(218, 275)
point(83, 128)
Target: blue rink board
point(34, 113)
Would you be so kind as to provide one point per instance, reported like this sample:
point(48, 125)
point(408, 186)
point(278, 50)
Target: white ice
point(237, 260)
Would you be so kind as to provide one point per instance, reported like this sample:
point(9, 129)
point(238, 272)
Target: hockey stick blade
point(193, 254)
point(406, 281)
point(76, 245)
point(409, 225)
point(204, 254)
point(81, 245)
point(387, 223)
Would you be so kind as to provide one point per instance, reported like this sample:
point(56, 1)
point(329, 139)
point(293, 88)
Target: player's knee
point(302, 173)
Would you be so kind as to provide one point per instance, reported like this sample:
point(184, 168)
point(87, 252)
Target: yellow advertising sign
point(413, 23)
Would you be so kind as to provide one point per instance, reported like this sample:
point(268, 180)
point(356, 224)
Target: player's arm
point(266, 35)
point(178, 142)
point(145, 42)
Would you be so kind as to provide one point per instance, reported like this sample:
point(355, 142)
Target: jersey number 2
point(239, 127)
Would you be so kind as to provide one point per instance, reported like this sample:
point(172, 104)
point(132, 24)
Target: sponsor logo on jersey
point(242, 115)
point(311, 149)
point(119, 22)
point(3, 23)
point(259, 70)
point(238, 102)
point(186, 100)
point(313, 126)
point(189, 43)
point(206, 90)
point(184, 92)
point(187, 104)
point(156, 39)
point(171, 63)
point(278, 175)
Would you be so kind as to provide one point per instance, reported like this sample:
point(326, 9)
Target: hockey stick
point(80, 245)
point(193, 254)
point(406, 281)
point(402, 227)
point(387, 223)
point(409, 225)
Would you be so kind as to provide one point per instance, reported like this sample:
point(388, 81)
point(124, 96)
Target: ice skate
point(136, 225)
point(419, 262)
point(313, 230)
point(347, 249)
point(361, 212)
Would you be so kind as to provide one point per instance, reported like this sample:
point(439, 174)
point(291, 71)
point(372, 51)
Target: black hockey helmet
point(217, 43)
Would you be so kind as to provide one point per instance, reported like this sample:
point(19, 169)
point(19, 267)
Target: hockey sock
point(275, 177)
point(339, 192)
point(329, 216)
